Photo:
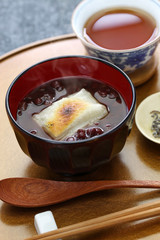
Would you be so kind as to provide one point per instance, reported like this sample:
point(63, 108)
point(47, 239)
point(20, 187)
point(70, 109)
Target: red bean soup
point(46, 94)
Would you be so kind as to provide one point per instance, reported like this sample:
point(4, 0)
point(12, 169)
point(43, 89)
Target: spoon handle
point(111, 184)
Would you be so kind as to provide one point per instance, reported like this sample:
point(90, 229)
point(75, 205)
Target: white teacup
point(128, 60)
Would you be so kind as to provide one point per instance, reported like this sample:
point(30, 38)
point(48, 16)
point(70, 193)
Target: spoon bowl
point(32, 192)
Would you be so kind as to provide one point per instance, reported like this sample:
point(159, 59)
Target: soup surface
point(120, 29)
point(45, 95)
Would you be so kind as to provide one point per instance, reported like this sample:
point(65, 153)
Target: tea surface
point(120, 29)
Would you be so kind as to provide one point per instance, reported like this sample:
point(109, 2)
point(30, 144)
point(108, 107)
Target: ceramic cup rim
point(96, 47)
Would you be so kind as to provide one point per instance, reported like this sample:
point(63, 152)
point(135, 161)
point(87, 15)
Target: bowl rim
point(77, 141)
point(121, 51)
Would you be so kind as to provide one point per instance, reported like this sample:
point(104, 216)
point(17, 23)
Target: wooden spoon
point(32, 192)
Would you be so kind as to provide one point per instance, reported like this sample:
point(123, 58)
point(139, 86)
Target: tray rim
point(37, 44)
point(146, 74)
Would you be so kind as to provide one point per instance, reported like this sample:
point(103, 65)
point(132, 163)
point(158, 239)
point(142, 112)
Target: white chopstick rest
point(44, 222)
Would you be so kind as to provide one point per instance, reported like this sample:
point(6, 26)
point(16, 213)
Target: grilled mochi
point(65, 116)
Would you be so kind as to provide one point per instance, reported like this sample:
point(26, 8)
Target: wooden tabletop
point(140, 159)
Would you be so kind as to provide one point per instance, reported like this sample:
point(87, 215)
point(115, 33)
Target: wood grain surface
point(140, 159)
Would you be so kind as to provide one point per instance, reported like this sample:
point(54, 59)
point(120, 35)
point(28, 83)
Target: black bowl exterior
point(80, 156)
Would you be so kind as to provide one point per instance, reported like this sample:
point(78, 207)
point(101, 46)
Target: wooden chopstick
point(127, 215)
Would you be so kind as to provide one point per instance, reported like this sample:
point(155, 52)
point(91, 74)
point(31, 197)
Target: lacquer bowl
point(80, 156)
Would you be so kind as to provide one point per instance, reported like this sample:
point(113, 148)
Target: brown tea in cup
point(120, 29)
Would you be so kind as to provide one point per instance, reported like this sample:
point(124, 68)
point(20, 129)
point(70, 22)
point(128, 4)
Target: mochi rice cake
point(65, 116)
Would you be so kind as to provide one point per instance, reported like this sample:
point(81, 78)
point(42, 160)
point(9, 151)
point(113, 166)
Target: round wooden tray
point(138, 160)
